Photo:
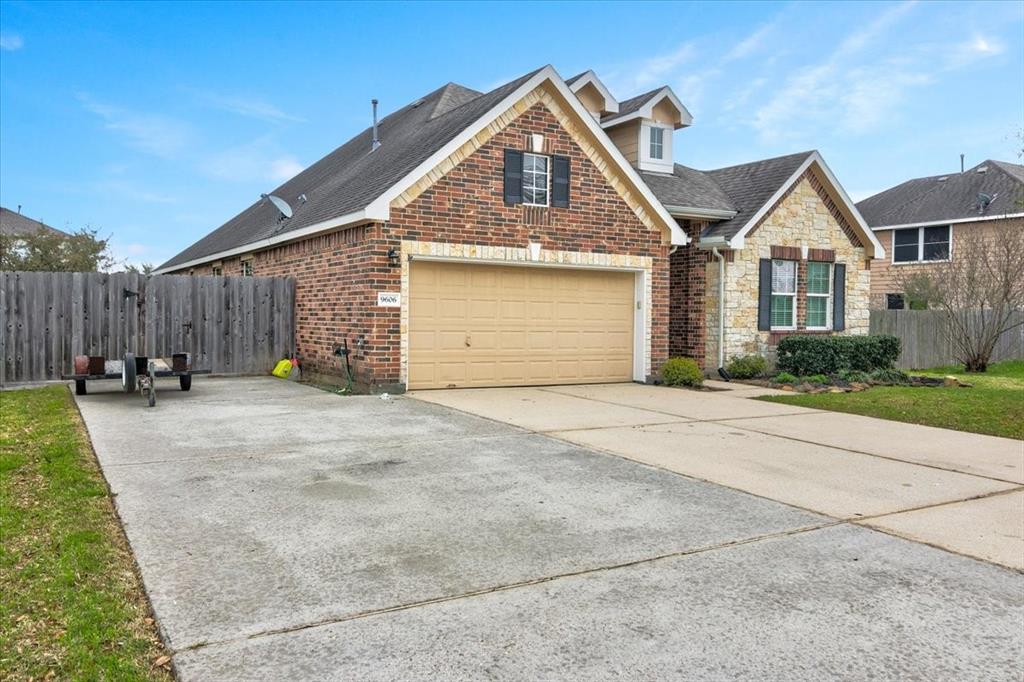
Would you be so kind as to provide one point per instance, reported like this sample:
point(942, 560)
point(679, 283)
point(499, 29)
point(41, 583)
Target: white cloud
point(151, 133)
point(751, 44)
point(285, 168)
point(250, 107)
point(630, 79)
point(257, 161)
point(11, 41)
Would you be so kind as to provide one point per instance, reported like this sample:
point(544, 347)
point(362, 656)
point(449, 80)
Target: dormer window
point(657, 143)
point(655, 147)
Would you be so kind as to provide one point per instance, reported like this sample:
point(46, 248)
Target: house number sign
point(389, 299)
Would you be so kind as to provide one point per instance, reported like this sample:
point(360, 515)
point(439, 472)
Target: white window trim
point(217, 269)
point(246, 262)
point(773, 294)
point(660, 143)
point(646, 162)
point(827, 296)
point(547, 175)
point(920, 245)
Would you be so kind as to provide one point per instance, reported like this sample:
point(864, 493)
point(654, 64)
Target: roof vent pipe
point(961, 163)
point(376, 140)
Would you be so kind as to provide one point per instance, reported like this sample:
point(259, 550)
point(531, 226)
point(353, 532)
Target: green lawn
point(995, 404)
point(72, 607)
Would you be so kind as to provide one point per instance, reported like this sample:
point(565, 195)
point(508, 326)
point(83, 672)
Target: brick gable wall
point(338, 276)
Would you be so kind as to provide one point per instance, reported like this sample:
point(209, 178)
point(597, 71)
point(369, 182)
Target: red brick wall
point(687, 283)
point(337, 281)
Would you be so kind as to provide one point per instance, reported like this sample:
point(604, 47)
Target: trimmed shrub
point(681, 372)
point(890, 376)
point(819, 379)
point(811, 354)
point(747, 367)
point(854, 376)
point(784, 378)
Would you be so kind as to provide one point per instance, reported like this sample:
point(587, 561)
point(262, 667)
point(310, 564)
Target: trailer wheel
point(79, 386)
point(128, 373)
point(185, 381)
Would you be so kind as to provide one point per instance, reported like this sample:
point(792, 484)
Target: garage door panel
point(523, 325)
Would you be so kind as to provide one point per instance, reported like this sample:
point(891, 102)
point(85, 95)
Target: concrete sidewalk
point(287, 533)
point(930, 485)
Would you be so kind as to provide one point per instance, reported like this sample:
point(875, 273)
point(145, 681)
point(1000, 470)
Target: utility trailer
point(135, 372)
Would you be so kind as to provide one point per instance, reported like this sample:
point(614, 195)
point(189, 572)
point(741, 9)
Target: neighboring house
point(540, 234)
point(14, 224)
point(921, 221)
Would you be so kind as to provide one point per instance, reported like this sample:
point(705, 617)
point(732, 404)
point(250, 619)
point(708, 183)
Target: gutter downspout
point(721, 312)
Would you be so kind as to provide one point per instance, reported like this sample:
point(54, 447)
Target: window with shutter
point(560, 181)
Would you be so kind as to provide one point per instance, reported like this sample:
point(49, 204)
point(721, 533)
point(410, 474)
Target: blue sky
point(157, 122)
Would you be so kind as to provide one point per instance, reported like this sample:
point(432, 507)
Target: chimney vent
point(376, 140)
point(961, 163)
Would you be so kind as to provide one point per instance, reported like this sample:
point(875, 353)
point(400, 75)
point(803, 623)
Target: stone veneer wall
point(338, 275)
point(801, 218)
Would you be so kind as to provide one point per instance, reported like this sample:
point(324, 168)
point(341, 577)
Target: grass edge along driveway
point(993, 406)
point(73, 605)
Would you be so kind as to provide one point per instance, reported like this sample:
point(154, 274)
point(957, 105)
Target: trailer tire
point(185, 381)
point(80, 387)
point(128, 373)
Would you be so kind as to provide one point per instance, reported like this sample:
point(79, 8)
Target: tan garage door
point(489, 325)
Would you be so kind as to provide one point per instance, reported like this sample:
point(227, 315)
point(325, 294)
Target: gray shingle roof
point(632, 104)
point(688, 187)
point(750, 186)
point(14, 224)
point(351, 177)
point(948, 197)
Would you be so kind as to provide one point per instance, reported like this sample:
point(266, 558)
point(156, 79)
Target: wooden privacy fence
point(230, 325)
point(924, 341)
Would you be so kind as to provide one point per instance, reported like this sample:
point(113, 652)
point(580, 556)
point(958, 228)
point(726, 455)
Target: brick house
point(540, 234)
point(921, 221)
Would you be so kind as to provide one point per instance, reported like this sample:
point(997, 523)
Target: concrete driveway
point(287, 533)
point(960, 491)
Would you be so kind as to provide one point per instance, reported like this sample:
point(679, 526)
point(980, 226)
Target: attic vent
point(418, 102)
point(944, 178)
point(982, 169)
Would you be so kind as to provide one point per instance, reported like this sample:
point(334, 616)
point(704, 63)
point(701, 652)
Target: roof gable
point(757, 188)
point(643, 106)
point(353, 183)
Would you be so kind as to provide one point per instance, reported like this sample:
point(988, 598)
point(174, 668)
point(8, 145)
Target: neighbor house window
point(921, 244)
point(535, 179)
point(247, 268)
point(819, 294)
point(783, 314)
point(216, 270)
point(657, 143)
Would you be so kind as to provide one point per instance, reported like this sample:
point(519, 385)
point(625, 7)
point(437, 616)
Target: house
point(921, 221)
point(540, 234)
point(13, 224)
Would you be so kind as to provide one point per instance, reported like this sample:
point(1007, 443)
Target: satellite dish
point(281, 204)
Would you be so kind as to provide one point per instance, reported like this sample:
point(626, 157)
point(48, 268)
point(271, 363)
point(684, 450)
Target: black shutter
point(513, 177)
point(764, 295)
point(839, 296)
point(560, 182)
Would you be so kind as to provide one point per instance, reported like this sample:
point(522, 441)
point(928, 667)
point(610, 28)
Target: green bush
point(854, 376)
point(784, 378)
point(681, 372)
point(747, 367)
point(820, 379)
point(890, 376)
point(811, 354)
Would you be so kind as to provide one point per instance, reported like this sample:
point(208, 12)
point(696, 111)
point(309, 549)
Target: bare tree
point(978, 290)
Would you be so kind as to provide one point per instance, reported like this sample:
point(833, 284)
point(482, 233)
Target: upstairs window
point(657, 143)
point(535, 179)
point(783, 313)
point(921, 244)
